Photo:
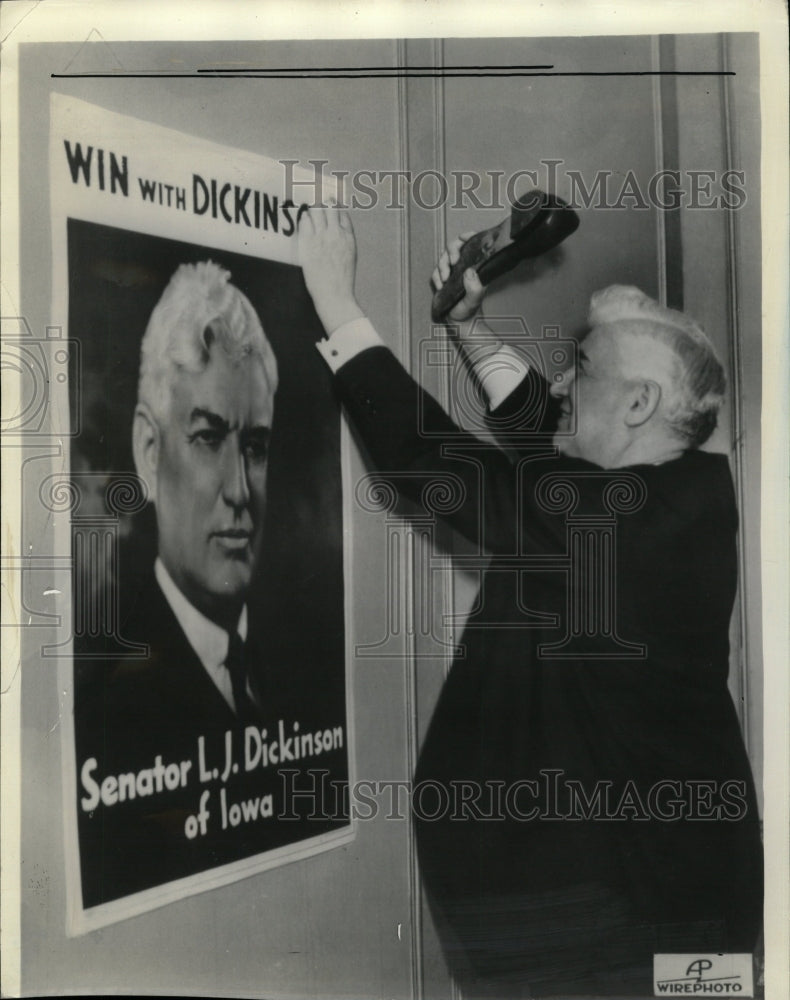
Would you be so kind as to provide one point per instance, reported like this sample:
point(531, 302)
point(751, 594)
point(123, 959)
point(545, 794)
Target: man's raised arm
point(402, 426)
point(327, 249)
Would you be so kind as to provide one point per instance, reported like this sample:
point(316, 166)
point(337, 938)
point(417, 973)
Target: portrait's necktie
point(235, 663)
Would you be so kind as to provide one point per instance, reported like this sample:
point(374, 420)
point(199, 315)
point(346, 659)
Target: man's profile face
point(211, 480)
point(593, 396)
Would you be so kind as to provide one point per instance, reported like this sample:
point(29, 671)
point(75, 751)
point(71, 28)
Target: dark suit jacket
point(166, 706)
point(509, 712)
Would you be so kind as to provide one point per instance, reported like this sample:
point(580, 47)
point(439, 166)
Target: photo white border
point(117, 20)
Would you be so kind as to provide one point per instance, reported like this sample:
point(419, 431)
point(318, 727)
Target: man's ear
point(643, 403)
point(146, 442)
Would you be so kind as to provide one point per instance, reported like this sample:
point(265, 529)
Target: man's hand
point(328, 254)
point(470, 303)
point(485, 342)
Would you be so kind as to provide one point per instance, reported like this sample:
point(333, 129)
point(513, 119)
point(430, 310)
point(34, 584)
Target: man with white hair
point(593, 803)
point(672, 410)
point(208, 376)
point(201, 430)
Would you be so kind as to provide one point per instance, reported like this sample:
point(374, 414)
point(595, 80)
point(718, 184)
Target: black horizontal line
point(383, 75)
point(360, 69)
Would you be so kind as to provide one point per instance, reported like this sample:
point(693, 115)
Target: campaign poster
point(207, 736)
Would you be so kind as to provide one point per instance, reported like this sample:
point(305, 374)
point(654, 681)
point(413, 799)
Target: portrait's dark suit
point(134, 710)
point(560, 903)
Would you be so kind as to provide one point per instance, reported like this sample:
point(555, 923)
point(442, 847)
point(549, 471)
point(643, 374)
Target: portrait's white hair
point(697, 382)
point(198, 309)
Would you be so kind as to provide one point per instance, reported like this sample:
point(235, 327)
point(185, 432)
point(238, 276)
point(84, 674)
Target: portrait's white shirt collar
point(208, 640)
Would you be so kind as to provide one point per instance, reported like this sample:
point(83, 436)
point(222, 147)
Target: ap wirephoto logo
point(703, 975)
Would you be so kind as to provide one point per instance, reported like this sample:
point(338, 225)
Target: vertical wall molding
point(441, 237)
point(665, 124)
point(408, 556)
point(658, 139)
point(422, 147)
point(445, 396)
point(736, 390)
point(719, 129)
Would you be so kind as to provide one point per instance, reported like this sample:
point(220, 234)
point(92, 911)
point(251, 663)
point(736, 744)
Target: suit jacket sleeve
point(529, 408)
point(410, 437)
point(528, 414)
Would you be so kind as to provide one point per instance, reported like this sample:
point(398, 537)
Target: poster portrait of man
point(194, 675)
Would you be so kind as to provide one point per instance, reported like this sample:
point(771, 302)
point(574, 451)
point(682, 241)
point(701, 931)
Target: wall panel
point(338, 923)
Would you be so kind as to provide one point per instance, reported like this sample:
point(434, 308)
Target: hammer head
point(525, 210)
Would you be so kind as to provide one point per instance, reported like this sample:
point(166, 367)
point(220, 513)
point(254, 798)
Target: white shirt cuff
point(347, 341)
point(500, 373)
